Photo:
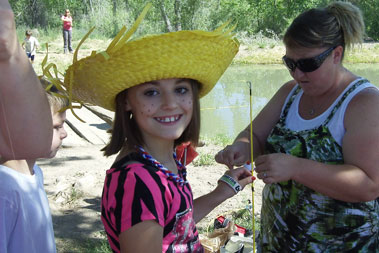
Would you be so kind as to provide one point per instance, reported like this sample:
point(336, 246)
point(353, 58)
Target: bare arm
point(25, 118)
point(357, 180)
point(239, 152)
point(146, 236)
point(206, 203)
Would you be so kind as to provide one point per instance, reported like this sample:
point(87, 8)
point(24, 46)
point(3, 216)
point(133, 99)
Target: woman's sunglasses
point(307, 64)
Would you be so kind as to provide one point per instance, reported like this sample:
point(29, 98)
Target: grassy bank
point(256, 54)
point(256, 50)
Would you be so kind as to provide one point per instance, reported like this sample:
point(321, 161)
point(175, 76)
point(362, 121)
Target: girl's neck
point(163, 153)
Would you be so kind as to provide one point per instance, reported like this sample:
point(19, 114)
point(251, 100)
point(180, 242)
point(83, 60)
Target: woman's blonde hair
point(340, 23)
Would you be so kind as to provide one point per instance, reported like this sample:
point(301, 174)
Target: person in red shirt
point(67, 31)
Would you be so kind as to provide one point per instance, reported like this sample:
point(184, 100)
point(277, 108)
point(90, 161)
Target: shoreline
point(248, 54)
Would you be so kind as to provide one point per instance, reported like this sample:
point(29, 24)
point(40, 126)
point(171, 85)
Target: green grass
point(204, 160)
point(217, 140)
point(100, 245)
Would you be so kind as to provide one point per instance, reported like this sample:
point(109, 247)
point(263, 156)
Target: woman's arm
point(357, 180)
point(25, 117)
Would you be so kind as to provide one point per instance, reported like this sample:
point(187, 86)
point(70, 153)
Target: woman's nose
point(297, 74)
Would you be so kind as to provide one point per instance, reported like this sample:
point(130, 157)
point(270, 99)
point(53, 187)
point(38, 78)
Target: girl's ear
point(127, 105)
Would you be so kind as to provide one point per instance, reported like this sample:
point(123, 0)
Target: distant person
point(25, 117)
point(26, 225)
point(316, 142)
point(30, 45)
point(67, 31)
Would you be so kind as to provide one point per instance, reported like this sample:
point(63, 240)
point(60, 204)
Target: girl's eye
point(150, 93)
point(182, 90)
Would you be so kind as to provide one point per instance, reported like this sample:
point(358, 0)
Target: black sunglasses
point(307, 64)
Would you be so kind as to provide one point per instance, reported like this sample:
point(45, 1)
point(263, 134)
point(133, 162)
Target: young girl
point(153, 84)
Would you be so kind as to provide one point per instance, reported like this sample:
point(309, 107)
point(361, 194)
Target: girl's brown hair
point(125, 131)
point(340, 23)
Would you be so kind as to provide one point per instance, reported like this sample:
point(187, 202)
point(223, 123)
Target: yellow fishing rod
point(251, 157)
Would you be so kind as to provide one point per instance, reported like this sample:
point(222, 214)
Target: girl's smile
point(170, 119)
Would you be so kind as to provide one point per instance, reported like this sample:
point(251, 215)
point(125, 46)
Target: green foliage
point(204, 160)
point(243, 218)
point(219, 140)
point(101, 246)
point(253, 17)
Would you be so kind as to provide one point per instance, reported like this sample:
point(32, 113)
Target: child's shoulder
point(10, 181)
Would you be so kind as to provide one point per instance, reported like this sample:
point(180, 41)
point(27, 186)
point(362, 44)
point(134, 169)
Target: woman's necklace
point(175, 177)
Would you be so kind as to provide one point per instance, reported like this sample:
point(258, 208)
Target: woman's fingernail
point(248, 162)
point(253, 178)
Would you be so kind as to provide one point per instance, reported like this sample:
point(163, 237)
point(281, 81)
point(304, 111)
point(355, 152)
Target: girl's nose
point(169, 101)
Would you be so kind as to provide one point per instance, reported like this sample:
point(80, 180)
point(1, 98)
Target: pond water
point(225, 110)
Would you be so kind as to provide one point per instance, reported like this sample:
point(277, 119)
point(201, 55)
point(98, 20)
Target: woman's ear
point(338, 53)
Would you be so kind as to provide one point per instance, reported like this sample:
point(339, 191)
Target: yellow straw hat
point(199, 55)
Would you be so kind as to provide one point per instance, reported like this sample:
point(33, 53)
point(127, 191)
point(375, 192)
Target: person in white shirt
point(26, 225)
point(30, 45)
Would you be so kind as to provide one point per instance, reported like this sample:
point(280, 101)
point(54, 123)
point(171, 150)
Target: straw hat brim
point(199, 55)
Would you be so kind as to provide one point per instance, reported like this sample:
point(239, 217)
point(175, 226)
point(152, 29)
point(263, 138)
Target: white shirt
point(25, 219)
point(31, 45)
point(336, 125)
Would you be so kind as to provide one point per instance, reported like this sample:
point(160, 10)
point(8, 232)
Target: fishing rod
point(251, 158)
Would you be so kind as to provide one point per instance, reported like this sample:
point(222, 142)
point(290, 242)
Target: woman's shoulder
point(367, 101)
point(368, 94)
point(282, 93)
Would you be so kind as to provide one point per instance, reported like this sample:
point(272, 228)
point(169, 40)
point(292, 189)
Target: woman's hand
point(234, 155)
point(274, 168)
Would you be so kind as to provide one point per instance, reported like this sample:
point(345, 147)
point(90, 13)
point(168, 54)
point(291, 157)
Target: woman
point(316, 143)
point(67, 31)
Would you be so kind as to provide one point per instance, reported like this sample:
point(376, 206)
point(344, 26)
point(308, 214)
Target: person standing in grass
point(30, 45)
point(67, 31)
point(316, 143)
